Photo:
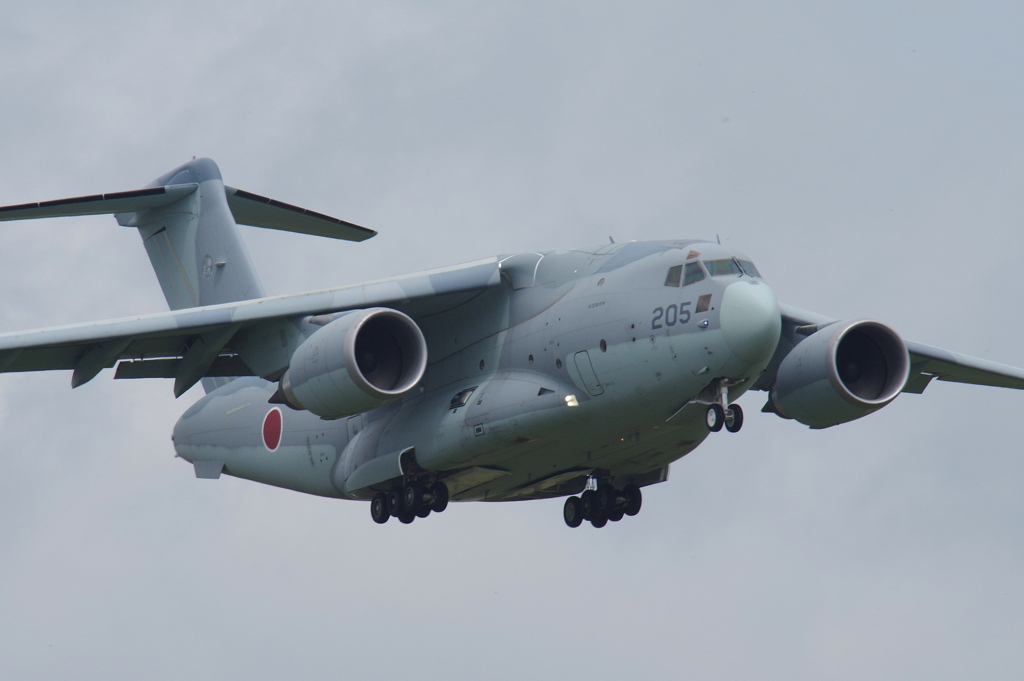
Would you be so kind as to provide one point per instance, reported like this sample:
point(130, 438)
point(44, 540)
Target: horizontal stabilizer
point(259, 211)
point(99, 204)
point(246, 208)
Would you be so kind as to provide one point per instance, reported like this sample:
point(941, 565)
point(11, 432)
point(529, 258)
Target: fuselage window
point(749, 269)
point(675, 274)
point(720, 268)
point(694, 273)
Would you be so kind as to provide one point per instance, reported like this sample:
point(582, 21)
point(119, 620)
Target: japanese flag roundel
point(272, 427)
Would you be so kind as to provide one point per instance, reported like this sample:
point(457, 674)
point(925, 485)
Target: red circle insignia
point(272, 428)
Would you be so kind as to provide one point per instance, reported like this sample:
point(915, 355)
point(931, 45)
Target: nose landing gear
point(602, 505)
point(730, 417)
point(720, 413)
point(409, 502)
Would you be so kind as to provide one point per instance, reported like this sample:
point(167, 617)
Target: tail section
point(193, 243)
point(187, 220)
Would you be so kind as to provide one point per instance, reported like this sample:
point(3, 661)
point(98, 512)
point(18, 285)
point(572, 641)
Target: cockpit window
point(674, 275)
point(694, 273)
point(722, 267)
point(749, 269)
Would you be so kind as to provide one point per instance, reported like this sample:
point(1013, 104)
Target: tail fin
point(193, 242)
point(187, 219)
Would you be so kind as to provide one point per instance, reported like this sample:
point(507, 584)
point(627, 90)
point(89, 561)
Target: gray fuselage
point(582, 361)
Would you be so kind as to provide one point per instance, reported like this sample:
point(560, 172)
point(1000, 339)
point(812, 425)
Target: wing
point(926, 362)
point(245, 338)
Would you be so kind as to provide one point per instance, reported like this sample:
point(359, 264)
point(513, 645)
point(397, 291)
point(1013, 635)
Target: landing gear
point(379, 508)
point(587, 504)
point(720, 413)
point(715, 417)
point(439, 491)
point(633, 499)
point(602, 505)
point(572, 512)
point(413, 495)
point(733, 418)
point(409, 502)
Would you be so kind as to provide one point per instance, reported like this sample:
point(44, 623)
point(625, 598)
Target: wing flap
point(224, 365)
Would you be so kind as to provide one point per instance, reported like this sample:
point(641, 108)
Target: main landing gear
point(718, 416)
point(601, 505)
point(409, 502)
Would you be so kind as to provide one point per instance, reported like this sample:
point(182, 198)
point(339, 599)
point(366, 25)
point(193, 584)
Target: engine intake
point(840, 373)
point(360, 361)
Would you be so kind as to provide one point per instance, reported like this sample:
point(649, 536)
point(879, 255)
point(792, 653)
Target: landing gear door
point(587, 373)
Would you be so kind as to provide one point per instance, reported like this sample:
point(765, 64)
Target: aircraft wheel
point(599, 521)
point(572, 513)
point(616, 515)
point(440, 492)
point(406, 518)
point(715, 417)
point(396, 501)
point(412, 495)
point(734, 418)
point(379, 508)
point(633, 499)
point(587, 504)
point(423, 512)
point(604, 500)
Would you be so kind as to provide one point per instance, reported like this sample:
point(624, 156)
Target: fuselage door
point(587, 373)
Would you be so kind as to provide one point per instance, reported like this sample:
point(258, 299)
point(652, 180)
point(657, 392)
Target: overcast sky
point(869, 159)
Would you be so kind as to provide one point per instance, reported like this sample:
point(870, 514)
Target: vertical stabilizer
point(194, 243)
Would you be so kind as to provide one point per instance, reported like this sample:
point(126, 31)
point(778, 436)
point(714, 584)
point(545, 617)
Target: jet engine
point(840, 373)
point(357, 362)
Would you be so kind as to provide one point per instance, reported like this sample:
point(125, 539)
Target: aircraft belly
point(300, 468)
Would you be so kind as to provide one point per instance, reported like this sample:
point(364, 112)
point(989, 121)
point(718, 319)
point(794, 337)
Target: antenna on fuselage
point(611, 240)
point(718, 239)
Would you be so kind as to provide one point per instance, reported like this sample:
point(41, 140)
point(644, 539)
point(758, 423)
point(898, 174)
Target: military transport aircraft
point(581, 374)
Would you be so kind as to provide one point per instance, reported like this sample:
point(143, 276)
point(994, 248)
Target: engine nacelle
point(840, 373)
point(360, 361)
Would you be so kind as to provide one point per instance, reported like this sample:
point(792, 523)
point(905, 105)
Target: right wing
point(926, 362)
point(250, 337)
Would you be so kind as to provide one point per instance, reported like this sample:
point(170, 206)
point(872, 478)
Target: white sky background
point(868, 159)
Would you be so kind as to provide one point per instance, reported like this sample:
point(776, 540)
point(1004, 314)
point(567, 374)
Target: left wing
point(926, 362)
point(245, 338)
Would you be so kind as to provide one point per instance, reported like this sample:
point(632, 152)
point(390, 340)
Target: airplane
point(580, 373)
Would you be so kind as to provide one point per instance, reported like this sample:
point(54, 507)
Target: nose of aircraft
point(750, 319)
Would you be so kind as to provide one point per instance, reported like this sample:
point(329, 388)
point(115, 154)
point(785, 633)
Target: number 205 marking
point(671, 315)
